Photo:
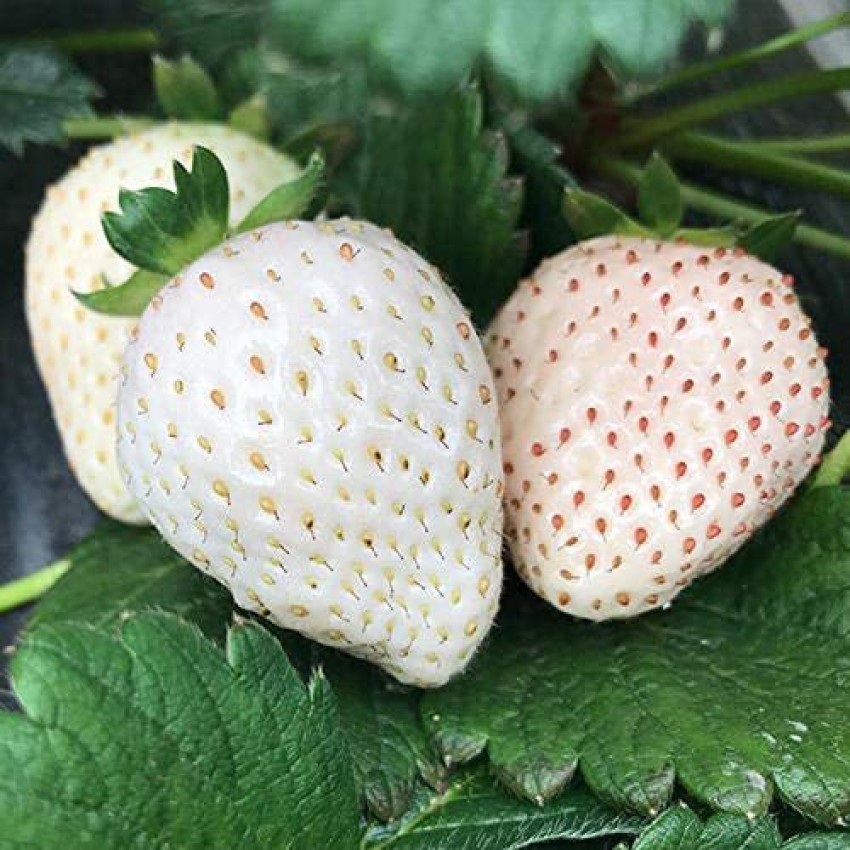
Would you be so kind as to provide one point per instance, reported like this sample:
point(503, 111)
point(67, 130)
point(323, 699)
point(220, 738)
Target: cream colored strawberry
point(659, 402)
point(77, 351)
point(307, 415)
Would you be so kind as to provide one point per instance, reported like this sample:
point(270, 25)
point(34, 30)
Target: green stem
point(835, 466)
point(643, 133)
point(31, 587)
point(743, 159)
point(728, 209)
point(712, 67)
point(106, 127)
point(838, 143)
point(98, 41)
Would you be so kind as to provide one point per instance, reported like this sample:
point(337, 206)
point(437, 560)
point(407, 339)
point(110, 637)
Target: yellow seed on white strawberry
point(371, 496)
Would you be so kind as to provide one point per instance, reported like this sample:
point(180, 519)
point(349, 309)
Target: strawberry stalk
point(835, 143)
point(835, 466)
point(643, 134)
point(743, 159)
point(31, 587)
point(99, 41)
point(741, 59)
point(722, 207)
point(106, 127)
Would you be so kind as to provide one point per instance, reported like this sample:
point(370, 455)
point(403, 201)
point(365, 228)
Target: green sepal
point(252, 117)
point(289, 200)
point(661, 203)
point(767, 238)
point(163, 231)
point(185, 90)
point(590, 215)
point(660, 197)
point(128, 299)
point(726, 237)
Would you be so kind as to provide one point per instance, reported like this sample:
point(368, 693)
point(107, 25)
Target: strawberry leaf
point(38, 90)
point(303, 99)
point(592, 215)
point(128, 299)
point(771, 236)
point(537, 157)
point(439, 181)
point(660, 197)
point(120, 571)
point(680, 828)
point(380, 719)
point(740, 691)
point(155, 736)
point(418, 47)
point(212, 29)
point(163, 231)
point(289, 200)
point(185, 90)
point(473, 813)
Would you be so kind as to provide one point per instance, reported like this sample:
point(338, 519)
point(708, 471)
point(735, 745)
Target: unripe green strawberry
point(77, 350)
point(659, 402)
point(307, 415)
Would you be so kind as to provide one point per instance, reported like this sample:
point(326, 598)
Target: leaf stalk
point(31, 587)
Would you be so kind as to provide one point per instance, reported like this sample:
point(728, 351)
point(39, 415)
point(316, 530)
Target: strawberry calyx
point(661, 208)
point(161, 231)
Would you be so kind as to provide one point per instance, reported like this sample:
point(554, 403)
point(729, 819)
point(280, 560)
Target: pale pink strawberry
point(77, 350)
point(659, 402)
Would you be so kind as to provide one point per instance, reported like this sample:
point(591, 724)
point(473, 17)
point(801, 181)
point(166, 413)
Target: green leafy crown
point(660, 208)
point(161, 231)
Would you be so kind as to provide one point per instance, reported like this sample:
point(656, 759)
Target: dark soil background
point(43, 512)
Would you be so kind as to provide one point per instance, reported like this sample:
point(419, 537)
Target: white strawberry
point(307, 415)
point(77, 351)
point(659, 402)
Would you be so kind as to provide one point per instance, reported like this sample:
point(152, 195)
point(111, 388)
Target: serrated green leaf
point(739, 691)
point(592, 215)
point(390, 749)
point(439, 181)
point(819, 841)
point(537, 158)
point(304, 98)
point(660, 197)
point(639, 39)
point(120, 571)
point(771, 236)
point(156, 737)
point(680, 829)
point(289, 200)
point(421, 48)
point(162, 231)
point(127, 299)
point(212, 29)
point(38, 90)
point(473, 814)
point(185, 90)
